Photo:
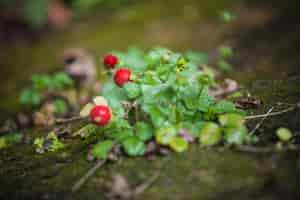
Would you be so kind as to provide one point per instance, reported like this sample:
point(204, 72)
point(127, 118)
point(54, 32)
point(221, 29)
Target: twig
point(141, 188)
point(253, 149)
point(84, 178)
point(271, 114)
point(261, 122)
point(67, 120)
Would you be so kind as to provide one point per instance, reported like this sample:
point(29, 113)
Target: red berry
point(100, 115)
point(122, 76)
point(110, 61)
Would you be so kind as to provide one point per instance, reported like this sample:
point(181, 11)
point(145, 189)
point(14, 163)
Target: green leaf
point(118, 130)
point(197, 57)
point(231, 120)
point(156, 56)
point(30, 97)
point(227, 16)
point(193, 128)
point(225, 106)
point(210, 134)
point(204, 100)
point(225, 52)
point(189, 96)
point(284, 134)
point(164, 135)
point(150, 92)
point(87, 130)
point(102, 149)
point(143, 131)
point(149, 78)
point(178, 144)
point(236, 135)
point(10, 139)
point(56, 144)
point(114, 96)
point(133, 90)
point(62, 81)
point(41, 81)
point(61, 106)
point(224, 65)
point(157, 117)
point(133, 146)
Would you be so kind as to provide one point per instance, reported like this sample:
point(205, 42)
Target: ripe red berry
point(110, 61)
point(100, 115)
point(122, 76)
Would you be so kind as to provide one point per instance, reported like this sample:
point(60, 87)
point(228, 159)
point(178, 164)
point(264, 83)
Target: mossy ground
point(215, 173)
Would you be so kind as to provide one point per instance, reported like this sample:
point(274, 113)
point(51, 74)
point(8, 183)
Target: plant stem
point(67, 120)
point(253, 149)
point(141, 188)
point(261, 122)
point(271, 114)
point(84, 178)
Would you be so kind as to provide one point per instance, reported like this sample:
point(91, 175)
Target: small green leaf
point(193, 128)
point(102, 149)
point(30, 97)
point(56, 144)
point(225, 52)
point(41, 81)
point(143, 131)
point(164, 135)
point(61, 106)
point(157, 117)
point(133, 90)
point(210, 134)
point(227, 16)
point(10, 139)
point(235, 135)
point(62, 81)
point(178, 144)
point(284, 134)
point(225, 106)
point(133, 146)
point(224, 65)
point(87, 130)
point(204, 100)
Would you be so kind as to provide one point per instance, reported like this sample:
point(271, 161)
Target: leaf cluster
point(167, 100)
point(41, 84)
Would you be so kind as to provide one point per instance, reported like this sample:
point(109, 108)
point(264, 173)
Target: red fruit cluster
point(122, 76)
point(110, 61)
point(100, 115)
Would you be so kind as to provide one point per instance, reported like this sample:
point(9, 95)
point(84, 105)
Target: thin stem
point(261, 122)
point(271, 114)
point(67, 120)
point(136, 110)
point(141, 188)
point(91, 172)
point(253, 149)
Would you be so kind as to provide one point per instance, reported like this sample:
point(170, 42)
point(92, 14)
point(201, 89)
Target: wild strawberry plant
point(42, 84)
point(162, 96)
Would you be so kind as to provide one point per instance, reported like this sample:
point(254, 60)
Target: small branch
point(141, 188)
point(261, 122)
point(68, 120)
point(136, 110)
point(271, 114)
point(91, 172)
point(253, 149)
